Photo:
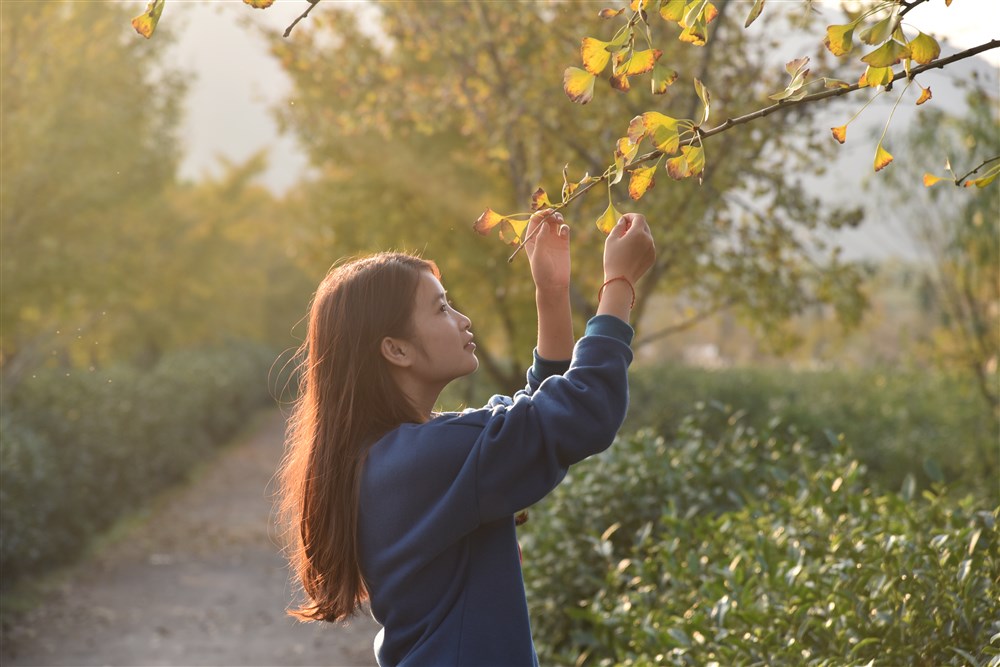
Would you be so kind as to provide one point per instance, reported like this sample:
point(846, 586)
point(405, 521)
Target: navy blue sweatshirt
point(438, 547)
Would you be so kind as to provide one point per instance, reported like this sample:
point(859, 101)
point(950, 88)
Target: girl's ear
point(395, 352)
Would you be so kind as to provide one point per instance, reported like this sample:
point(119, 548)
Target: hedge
point(757, 547)
point(78, 449)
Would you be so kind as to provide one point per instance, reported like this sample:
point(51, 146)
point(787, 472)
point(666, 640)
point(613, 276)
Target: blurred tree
point(88, 146)
point(421, 114)
point(959, 232)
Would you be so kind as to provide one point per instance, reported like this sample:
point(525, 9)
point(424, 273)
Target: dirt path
point(199, 582)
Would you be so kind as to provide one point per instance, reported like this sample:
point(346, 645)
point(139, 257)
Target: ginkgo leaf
point(662, 78)
point(925, 94)
point(642, 61)
point(931, 179)
point(879, 32)
point(758, 7)
point(882, 158)
point(626, 149)
point(145, 23)
point(798, 70)
point(620, 82)
point(695, 34)
point(876, 76)
point(887, 55)
point(259, 4)
point(797, 66)
point(487, 221)
point(835, 83)
point(610, 13)
point(578, 84)
point(540, 200)
point(662, 131)
point(924, 48)
point(677, 167)
point(640, 181)
point(985, 179)
point(839, 39)
point(511, 230)
point(609, 219)
point(695, 156)
point(595, 55)
point(839, 133)
point(704, 96)
point(673, 10)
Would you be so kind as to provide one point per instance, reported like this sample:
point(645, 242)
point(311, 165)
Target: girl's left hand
point(548, 250)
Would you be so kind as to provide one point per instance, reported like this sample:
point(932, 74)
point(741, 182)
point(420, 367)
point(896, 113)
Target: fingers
point(554, 224)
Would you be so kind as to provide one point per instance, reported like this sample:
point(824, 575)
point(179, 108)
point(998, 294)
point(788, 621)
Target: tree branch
point(288, 30)
point(961, 179)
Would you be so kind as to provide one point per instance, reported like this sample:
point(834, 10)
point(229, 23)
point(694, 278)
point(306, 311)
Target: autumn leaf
point(145, 23)
point(876, 76)
point(924, 48)
point(931, 179)
point(662, 131)
point(640, 181)
point(578, 84)
point(695, 156)
point(887, 55)
point(642, 61)
point(540, 200)
point(835, 83)
point(879, 32)
point(882, 158)
point(758, 7)
point(672, 10)
point(511, 230)
point(677, 167)
point(487, 221)
point(625, 152)
point(925, 94)
point(839, 133)
point(662, 78)
point(704, 96)
point(695, 34)
point(985, 179)
point(839, 39)
point(798, 70)
point(259, 4)
point(609, 219)
point(610, 13)
point(620, 82)
point(595, 55)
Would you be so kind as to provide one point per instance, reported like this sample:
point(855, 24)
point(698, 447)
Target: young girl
point(411, 510)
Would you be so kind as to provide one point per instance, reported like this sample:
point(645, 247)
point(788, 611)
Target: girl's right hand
point(629, 250)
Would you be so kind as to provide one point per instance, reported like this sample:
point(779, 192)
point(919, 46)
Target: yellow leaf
point(662, 130)
point(540, 200)
point(578, 84)
point(642, 61)
point(259, 4)
point(931, 179)
point(512, 230)
point(876, 76)
point(887, 55)
point(835, 83)
point(758, 7)
point(610, 13)
point(595, 55)
point(672, 10)
point(145, 23)
point(677, 167)
point(879, 32)
point(925, 94)
point(695, 34)
point(710, 13)
point(609, 219)
point(704, 96)
point(640, 181)
point(695, 156)
point(626, 149)
point(985, 180)
point(662, 78)
point(620, 82)
point(924, 48)
point(637, 129)
point(882, 158)
point(487, 221)
point(839, 39)
point(839, 133)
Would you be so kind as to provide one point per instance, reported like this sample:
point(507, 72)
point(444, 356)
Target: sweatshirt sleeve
point(527, 443)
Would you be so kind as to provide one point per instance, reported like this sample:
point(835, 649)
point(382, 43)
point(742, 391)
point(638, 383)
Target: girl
point(413, 511)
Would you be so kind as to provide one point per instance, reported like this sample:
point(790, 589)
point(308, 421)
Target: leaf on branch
point(595, 55)
point(798, 70)
point(758, 7)
point(695, 34)
point(487, 221)
point(924, 48)
point(569, 188)
point(625, 152)
point(662, 130)
point(839, 133)
point(925, 94)
point(511, 230)
point(879, 32)
point(609, 219)
point(882, 158)
point(672, 10)
point(641, 181)
point(835, 83)
point(986, 179)
point(887, 55)
point(610, 13)
point(690, 162)
point(259, 4)
point(578, 84)
point(641, 61)
point(620, 82)
point(540, 200)
point(876, 76)
point(931, 179)
point(638, 5)
point(677, 167)
point(705, 97)
point(145, 23)
point(662, 78)
point(839, 39)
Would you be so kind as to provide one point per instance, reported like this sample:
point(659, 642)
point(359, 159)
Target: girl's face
point(442, 336)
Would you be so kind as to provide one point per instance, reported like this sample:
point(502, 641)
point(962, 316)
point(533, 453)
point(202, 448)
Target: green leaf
point(145, 24)
point(933, 471)
point(758, 7)
point(578, 84)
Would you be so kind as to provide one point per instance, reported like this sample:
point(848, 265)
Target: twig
point(961, 179)
point(312, 3)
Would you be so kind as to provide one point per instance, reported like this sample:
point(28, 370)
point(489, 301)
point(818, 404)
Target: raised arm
point(548, 254)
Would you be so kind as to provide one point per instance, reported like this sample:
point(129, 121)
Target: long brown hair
point(346, 400)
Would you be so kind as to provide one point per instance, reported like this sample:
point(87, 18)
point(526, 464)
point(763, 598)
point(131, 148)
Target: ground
point(195, 580)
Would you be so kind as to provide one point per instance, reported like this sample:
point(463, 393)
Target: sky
point(237, 84)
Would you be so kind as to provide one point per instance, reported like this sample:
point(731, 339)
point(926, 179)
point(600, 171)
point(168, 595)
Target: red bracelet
point(611, 280)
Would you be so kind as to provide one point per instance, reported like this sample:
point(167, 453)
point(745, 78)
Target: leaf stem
point(893, 111)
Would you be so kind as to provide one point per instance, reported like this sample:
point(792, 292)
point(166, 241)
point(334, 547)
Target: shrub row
point(756, 547)
point(78, 449)
point(929, 426)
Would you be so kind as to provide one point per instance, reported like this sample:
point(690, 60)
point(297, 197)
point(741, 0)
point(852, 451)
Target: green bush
point(898, 423)
point(755, 546)
point(78, 449)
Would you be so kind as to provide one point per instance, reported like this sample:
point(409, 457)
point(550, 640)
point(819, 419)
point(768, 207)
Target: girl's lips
point(470, 345)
